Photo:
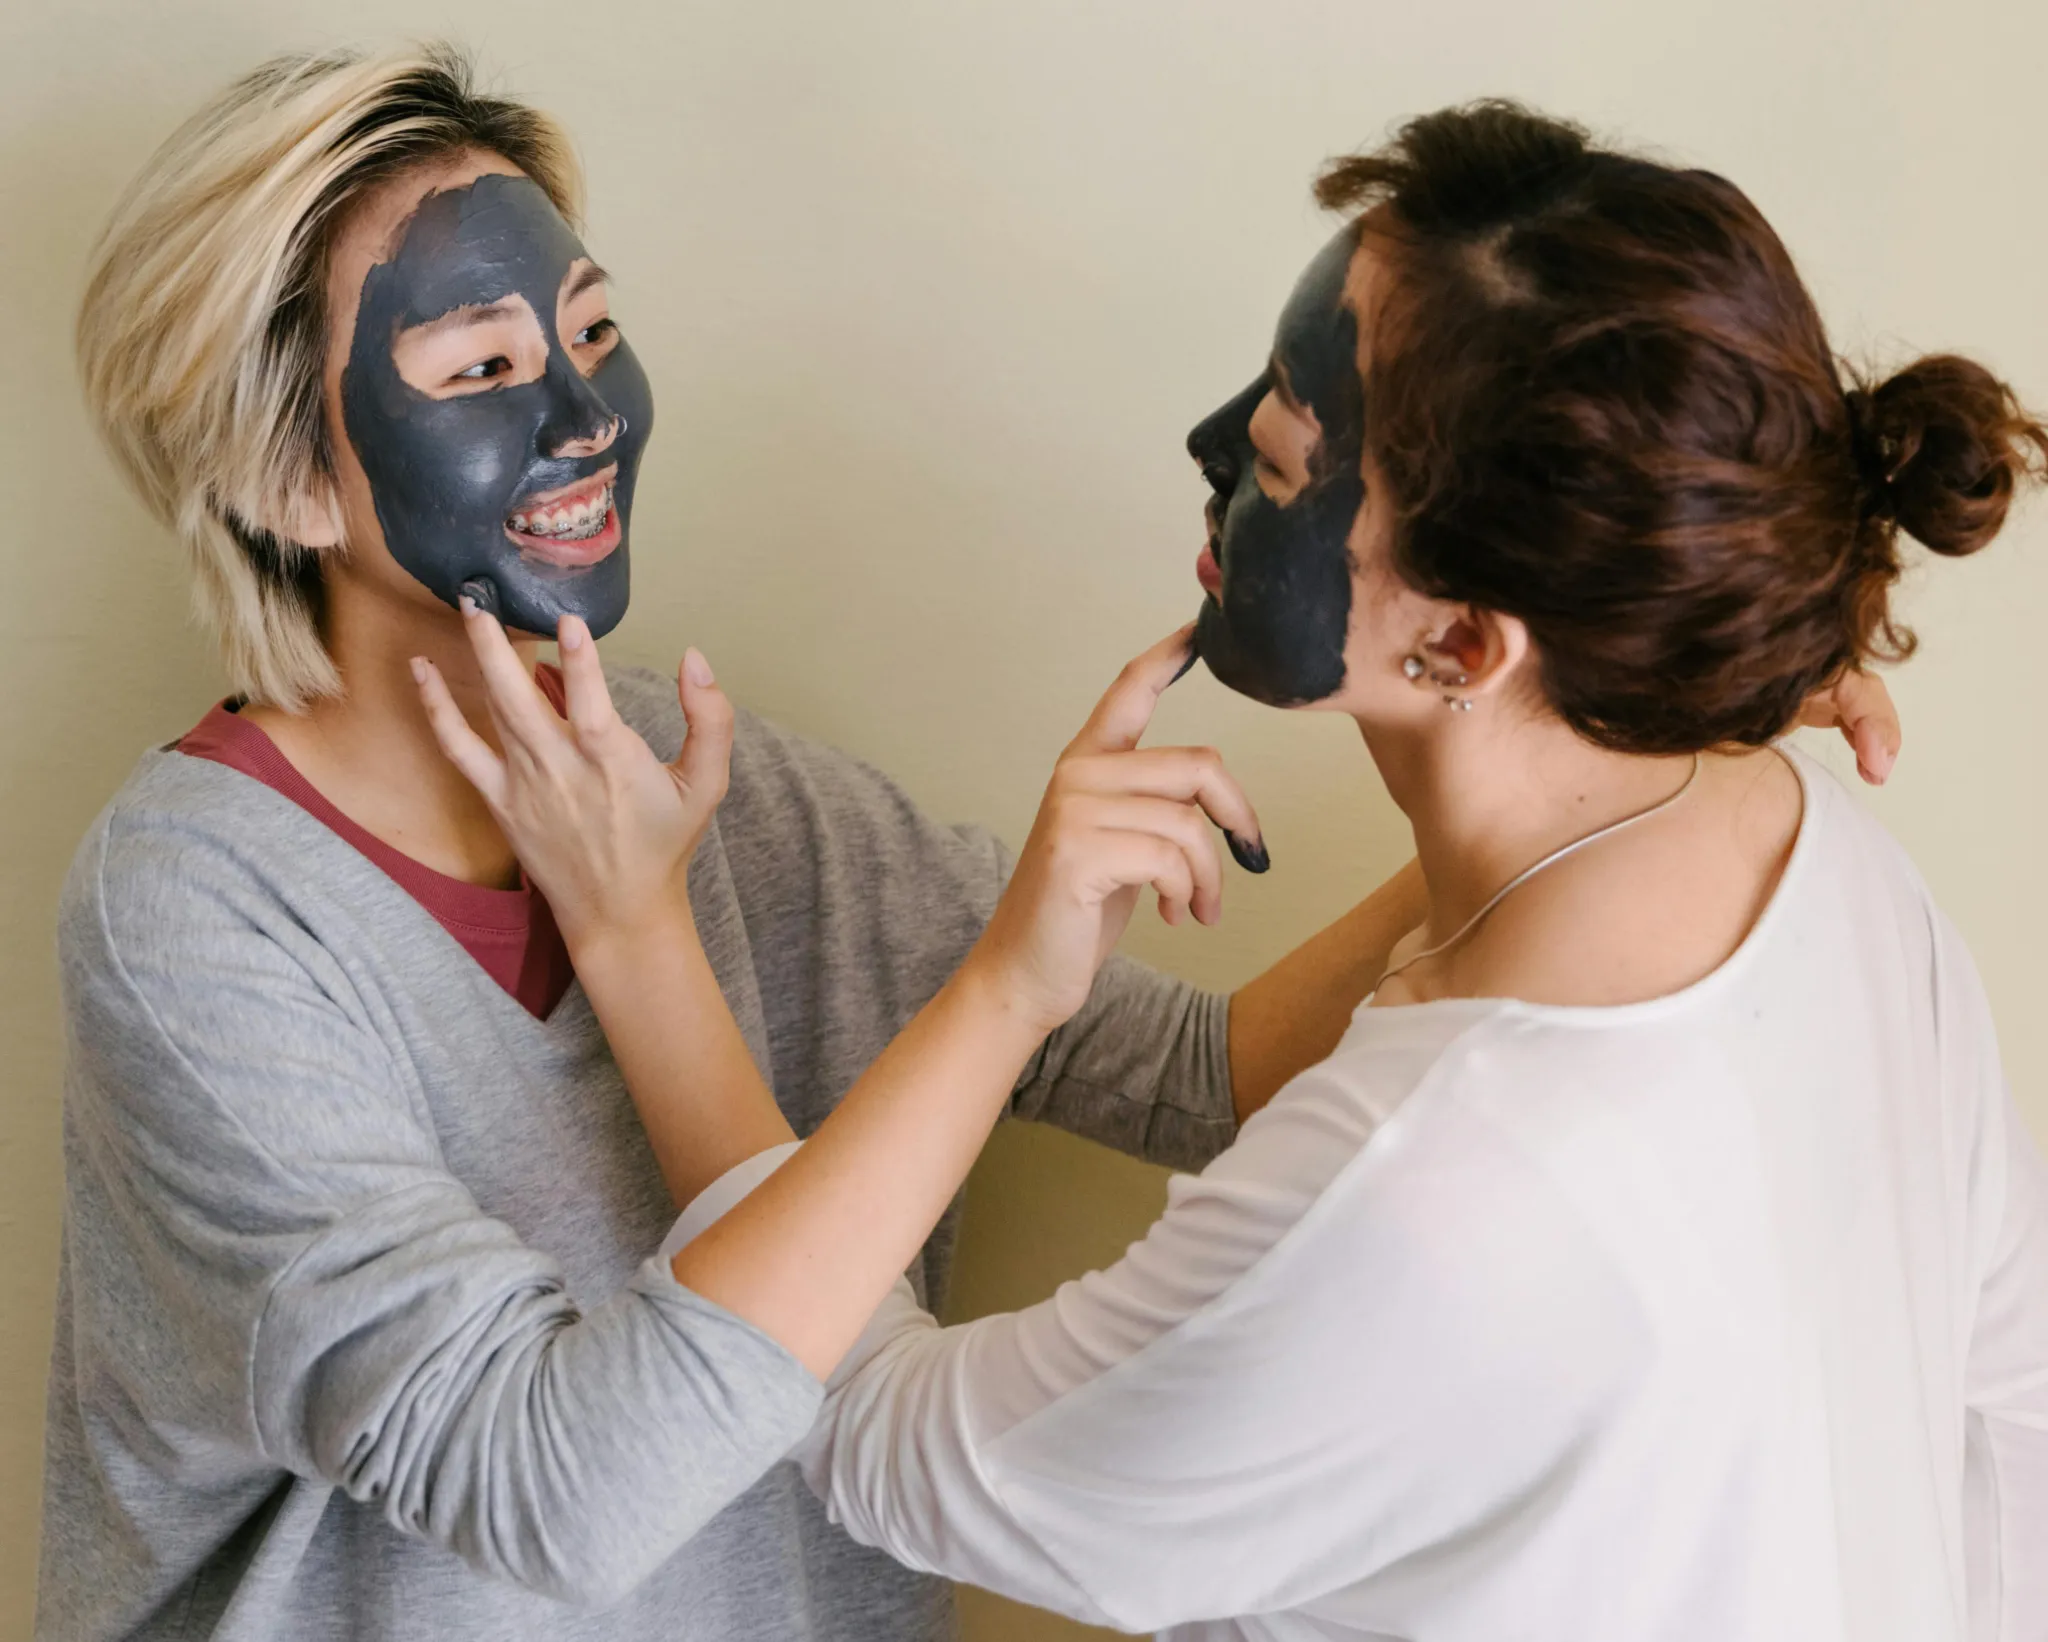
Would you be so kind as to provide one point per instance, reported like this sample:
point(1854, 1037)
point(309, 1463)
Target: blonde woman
point(360, 1330)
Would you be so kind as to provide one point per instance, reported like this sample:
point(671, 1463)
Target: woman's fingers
point(1199, 888)
point(1188, 774)
point(465, 749)
point(704, 765)
point(1859, 705)
point(1103, 757)
point(1134, 858)
point(521, 713)
point(590, 710)
point(1120, 717)
point(1870, 721)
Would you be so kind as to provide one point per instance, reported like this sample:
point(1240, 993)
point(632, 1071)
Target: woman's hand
point(1861, 707)
point(598, 822)
point(1113, 820)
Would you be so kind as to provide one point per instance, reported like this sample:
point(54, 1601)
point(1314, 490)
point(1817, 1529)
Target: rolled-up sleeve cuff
point(722, 1196)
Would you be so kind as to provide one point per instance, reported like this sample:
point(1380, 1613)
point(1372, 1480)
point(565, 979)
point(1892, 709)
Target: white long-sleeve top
point(1723, 1316)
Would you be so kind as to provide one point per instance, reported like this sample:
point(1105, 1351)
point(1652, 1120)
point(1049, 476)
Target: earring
point(1458, 704)
point(1415, 669)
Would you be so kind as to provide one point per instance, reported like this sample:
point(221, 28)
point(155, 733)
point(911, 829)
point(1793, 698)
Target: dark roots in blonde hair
point(1603, 402)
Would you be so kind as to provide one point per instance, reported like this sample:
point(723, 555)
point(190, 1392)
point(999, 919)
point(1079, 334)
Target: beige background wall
point(930, 293)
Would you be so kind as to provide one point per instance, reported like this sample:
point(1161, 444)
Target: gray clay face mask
point(1276, 629)
point(498, 490)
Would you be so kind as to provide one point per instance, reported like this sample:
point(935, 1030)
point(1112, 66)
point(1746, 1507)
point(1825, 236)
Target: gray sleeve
point(288, 1278)
point(860, 906)
point(1144, 1067)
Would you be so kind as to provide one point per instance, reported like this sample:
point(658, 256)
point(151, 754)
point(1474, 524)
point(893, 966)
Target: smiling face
point(1286, 461)
point(497, 414)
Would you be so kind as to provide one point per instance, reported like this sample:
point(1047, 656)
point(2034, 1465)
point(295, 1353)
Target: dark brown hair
point(1602, 401)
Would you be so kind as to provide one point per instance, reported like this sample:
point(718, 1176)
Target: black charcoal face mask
point(488, 492)
point(1276, 631)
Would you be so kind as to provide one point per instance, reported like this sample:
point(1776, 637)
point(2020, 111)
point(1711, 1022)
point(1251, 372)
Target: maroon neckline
point(500, 919)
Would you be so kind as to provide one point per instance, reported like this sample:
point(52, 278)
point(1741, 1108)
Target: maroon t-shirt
point(510, 932)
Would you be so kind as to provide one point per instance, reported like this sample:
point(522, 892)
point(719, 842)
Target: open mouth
point(568, 524)
point(576, 525)
point(1209, 567)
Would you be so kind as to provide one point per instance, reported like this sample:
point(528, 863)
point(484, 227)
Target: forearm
point(416, 1355)
point(699, 1094)
point(808, 1256)
point(1292, 1016)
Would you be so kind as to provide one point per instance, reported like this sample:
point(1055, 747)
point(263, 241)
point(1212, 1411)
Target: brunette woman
point(1660, 1254)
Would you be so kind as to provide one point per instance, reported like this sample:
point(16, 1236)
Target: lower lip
point(577, 555)
point(1208, 572)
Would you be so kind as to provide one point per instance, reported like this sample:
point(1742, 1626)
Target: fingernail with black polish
point(1251, 855)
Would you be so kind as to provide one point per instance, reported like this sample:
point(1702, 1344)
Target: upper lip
point(576, 492)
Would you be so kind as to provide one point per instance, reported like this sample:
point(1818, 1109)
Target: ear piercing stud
point(1415, 670)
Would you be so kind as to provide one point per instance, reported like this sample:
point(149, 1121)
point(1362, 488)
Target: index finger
point(516, 705)
point(1122, 715)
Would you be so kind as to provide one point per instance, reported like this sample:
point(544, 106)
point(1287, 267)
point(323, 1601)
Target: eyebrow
point(1281, 385)
point(456, 319)
point(591, 275)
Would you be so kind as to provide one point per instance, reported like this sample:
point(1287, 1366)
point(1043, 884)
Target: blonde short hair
point(202, 338)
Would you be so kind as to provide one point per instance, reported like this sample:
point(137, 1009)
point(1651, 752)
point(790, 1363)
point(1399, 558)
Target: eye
point(484, 369)
point(602, 330)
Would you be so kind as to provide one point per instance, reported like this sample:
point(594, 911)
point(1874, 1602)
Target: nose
point(579, 445)
point(1221, 441)
point(579, 423)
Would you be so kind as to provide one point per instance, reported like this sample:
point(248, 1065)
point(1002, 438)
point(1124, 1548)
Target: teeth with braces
point(569, 524)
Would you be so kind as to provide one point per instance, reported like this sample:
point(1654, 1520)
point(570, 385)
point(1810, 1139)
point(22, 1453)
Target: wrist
point(625, 943)
point(984, 990)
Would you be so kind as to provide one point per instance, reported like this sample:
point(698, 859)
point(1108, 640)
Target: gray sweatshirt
point(359, 1334)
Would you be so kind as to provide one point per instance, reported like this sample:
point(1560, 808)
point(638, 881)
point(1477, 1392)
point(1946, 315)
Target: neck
point(370, 750)
point(1488, 800)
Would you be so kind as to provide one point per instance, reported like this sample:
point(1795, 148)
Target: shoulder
point(1425, 1124)
point(184, 832)
point(199, 888)
point(1848, 858)
point(1855, 906)
point(1455, 1138)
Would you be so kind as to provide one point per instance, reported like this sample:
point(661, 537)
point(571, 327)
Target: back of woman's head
point(1601, 401)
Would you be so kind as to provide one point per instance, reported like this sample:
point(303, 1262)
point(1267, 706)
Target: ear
point(1490, 649)
point(309, 515)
